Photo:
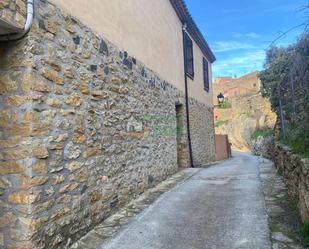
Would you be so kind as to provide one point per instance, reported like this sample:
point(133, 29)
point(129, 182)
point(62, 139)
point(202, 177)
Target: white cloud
point(223, 46)
point(246, 35)
point(239, 65)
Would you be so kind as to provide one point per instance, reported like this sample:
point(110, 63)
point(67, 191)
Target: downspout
point(29, 20)
point(187, 95)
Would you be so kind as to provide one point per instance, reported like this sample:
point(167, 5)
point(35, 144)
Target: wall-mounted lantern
point(220, 98)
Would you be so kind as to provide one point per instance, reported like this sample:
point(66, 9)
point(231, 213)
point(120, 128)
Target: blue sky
point(239, 31)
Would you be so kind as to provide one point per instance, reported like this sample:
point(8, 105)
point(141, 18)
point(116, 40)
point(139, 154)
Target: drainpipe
point(184, 28)
point(29, 20)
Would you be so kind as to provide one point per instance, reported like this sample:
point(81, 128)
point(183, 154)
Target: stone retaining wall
point(14, 12)
point(263, 146)
point(295, 171)
point(84, 128)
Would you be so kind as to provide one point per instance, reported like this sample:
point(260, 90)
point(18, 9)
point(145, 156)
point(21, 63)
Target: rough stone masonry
point(295, 172)
point(13, 12)
point(84, 128)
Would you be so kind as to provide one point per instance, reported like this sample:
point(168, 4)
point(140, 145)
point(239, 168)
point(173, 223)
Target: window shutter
point(206, 74)
point(189, 56)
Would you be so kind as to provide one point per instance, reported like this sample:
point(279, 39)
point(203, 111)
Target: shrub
point(225, 105)
point(298, 145)
point(261, 133)
point(305, 234)
point(220, 123)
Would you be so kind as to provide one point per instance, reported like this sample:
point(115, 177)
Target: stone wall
point(202, 133)
point(17, 146)
point(295, 172)
point(183, 156)
point(263, 146)
point(14, 12)
point(84, 129)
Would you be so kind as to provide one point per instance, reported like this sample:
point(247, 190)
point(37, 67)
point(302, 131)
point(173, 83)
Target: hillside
point(245, 111)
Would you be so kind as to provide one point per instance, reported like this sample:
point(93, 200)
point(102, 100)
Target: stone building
point(99, 100)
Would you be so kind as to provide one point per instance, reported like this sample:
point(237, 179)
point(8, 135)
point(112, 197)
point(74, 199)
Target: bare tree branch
point(285, 33)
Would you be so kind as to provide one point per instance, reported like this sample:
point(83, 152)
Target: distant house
point(100, 100)
point(223, 80)
point(233, 87)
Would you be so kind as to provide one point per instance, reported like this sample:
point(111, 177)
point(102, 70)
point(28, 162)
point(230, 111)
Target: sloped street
point(220, 207)
point(240, 203)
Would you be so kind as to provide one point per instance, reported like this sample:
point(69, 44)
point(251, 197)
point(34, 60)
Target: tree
point(285, 81)
point(276, 72)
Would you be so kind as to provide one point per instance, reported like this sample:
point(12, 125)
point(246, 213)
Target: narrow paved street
point(219, 207)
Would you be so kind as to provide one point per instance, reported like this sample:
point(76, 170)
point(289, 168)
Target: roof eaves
point(185, 17)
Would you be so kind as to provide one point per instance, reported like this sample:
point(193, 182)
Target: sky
point(240, 31)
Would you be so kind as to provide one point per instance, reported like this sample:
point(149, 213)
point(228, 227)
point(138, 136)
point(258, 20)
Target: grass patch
point(289, 204)
point(220, 123)
point(298, 146)
point(261, 133)
point(225, 105)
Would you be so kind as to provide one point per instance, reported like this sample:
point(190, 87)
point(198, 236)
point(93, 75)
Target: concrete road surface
point(221, 207)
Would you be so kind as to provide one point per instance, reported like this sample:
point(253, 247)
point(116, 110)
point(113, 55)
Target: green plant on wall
point(225, 105)
point(220, 123)
point(298, 142)
point(261, 134)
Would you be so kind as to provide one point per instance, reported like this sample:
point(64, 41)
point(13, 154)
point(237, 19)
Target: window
point(206, 74)
point(189, 56)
